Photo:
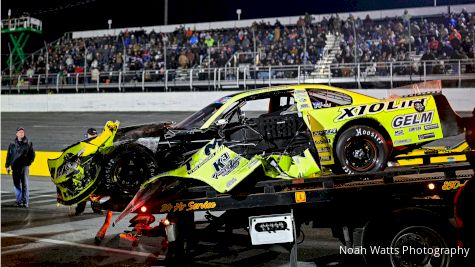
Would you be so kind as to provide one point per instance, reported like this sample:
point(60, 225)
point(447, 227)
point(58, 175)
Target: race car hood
point(142, 131)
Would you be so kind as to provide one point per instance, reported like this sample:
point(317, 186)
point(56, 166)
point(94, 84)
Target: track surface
point(53, 131)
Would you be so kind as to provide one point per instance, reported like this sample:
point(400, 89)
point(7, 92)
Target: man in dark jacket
point(20, 155)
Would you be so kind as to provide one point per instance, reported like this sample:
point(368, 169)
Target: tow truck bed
point(399, 181)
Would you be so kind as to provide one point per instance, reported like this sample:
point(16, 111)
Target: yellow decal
point(300, 197)
point(188, 206)
point(452, 185)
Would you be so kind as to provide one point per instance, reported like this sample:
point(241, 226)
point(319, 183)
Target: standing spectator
point(20, 155)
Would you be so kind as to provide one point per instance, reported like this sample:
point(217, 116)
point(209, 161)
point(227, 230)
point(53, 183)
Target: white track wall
point(460, 99)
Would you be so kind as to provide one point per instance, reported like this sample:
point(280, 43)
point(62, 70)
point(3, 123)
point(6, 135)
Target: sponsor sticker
point(322, 141)
point(374, 108)
point(225, 165)
point(324, 149)
point(399, 132)
point(426, 136)
point(412, 119)
point(325, 158)
point(325, 132)
point(415, 129)
point(402, 141)
point(431, 126)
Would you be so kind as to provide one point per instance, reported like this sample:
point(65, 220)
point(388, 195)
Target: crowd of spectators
point(383, 40)
point(433, 40)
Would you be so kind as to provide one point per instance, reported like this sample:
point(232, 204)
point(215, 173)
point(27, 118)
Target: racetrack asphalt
point(53, 131)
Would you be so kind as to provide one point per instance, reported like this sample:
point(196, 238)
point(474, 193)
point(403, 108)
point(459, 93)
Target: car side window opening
point(322, 98)
point(259, 105)
point(197, 119)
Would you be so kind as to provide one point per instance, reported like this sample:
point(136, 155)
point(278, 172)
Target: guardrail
point(243, 77)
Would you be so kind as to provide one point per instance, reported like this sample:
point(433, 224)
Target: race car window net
point(324, 98)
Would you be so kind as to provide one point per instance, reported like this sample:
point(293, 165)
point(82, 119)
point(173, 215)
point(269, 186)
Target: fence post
point(237, 76)
point(143, 81)
point(97, 82)
point(191, 79)
point(359, 74)
point(298, 75)
point(425, 71)
point(391, 73)
point(18, 83)
point(77, 82)
point(460, 73)
point(166, 80)
point(270, 74)
point(245, 77)
point(57, 83)
point(219, 78)
point(120, 80)
point(214, 78)
point(38, 83)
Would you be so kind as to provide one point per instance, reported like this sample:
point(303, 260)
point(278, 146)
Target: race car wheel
point(361, 149)
point(127, 168)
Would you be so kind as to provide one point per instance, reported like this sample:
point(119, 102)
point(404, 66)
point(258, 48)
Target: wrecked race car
point(291, 131)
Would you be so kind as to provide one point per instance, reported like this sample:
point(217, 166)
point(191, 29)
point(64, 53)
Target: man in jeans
point(20, 155)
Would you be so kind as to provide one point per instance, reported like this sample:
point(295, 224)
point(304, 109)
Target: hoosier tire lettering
point(361, 149)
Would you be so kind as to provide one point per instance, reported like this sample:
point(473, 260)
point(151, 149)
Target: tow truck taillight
point(143, 209)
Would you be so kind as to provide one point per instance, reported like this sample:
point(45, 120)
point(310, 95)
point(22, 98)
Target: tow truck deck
point(425, 180)
point(390, 208)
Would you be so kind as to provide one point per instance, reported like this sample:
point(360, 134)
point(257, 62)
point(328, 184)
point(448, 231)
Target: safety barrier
point(39, 166)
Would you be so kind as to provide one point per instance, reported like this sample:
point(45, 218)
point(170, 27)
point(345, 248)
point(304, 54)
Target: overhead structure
point(19, 30)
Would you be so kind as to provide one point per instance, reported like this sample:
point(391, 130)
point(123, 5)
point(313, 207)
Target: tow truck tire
point(127, 168)
point(399, 241)
point(361, 149)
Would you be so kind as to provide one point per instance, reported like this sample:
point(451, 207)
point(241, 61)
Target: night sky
point(60, 16)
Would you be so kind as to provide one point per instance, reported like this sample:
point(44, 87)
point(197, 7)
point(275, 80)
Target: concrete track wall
point(462, 99)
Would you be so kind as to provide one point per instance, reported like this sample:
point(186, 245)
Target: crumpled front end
point(75, 173)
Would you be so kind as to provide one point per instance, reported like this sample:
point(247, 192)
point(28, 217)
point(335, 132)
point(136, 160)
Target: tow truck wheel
point(417, 246)
point(361, 149)
point(127, 168)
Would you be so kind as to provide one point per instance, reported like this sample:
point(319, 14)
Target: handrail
point(457, 70)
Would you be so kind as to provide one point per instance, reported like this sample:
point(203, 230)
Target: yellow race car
point(295, 131)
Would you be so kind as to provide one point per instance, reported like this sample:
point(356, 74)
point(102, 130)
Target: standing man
point(20, 155)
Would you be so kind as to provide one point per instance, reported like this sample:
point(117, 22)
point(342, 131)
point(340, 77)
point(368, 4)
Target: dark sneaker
point(18, 204)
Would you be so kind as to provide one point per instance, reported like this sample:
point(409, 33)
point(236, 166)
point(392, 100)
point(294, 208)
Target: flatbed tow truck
point(392, 211)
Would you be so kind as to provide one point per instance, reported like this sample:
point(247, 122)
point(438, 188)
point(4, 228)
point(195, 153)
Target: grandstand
point(382, 48)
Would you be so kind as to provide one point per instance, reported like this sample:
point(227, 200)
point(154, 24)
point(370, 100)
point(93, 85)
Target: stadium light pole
point(110, 23)
point(165, 11)
point(238, 12)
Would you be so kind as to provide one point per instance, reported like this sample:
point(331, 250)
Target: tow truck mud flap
point(271, 229)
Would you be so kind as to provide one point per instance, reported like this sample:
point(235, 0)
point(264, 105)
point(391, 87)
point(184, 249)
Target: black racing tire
point(127, 168)
point(361, 149)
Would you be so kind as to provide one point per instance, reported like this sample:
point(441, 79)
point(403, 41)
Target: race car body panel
point(76, 171)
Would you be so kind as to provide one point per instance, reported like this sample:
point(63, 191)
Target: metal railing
point(242, 77)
